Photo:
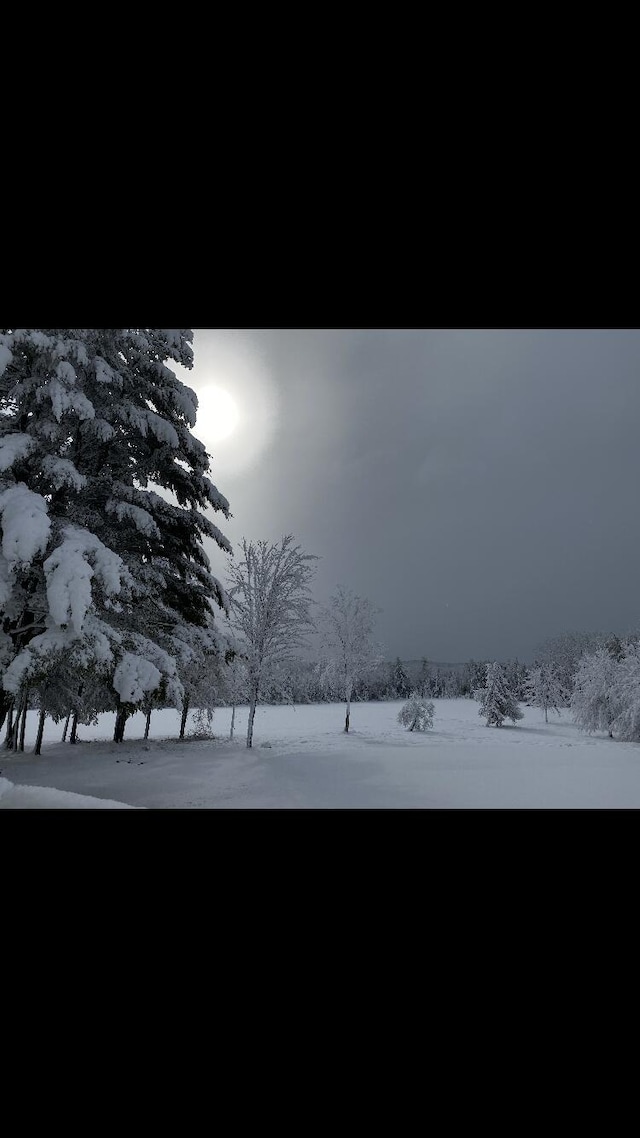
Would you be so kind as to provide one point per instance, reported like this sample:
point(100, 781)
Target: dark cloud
point(479, 486)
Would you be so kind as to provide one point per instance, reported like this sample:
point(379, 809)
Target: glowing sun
point(218, 414)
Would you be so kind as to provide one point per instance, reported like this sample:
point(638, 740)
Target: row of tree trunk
point(16, 720)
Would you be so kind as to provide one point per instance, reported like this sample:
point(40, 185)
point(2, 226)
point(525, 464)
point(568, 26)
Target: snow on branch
point(162, 430)
point(66, 372)
point(13, 676)
point(145, 420)
point(62, 472)
point(14, 447)
point(166, 665)
point(65, 399)
point(102, 430)
point(144, 670)
point(69, 575)
point(176, 342)
point(141, 519)
point(207, 527)
point(134, 677)
point(55, 648)
point(74, 348)
point(185, 401)
point(25, 524)
point(106, 374)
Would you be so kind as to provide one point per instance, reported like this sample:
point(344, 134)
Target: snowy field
point(301, 758)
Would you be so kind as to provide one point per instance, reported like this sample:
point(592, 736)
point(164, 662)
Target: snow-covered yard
point(302, 759)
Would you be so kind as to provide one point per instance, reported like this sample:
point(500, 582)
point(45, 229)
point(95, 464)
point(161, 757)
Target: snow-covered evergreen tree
point(424, 678)
point(543, 689)
point(347, 635)
point(93, 558)
point(594, 700)
point(270, 600)
point(615, 647)
point(517, 675)
point(476, 675)
point(451, 684)
point(417, 713)
point(498, 701)
point(400, 680)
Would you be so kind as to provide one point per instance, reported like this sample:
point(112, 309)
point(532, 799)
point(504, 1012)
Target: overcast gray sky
point(480, 487)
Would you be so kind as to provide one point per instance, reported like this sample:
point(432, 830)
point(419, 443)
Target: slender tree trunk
point(5, 704)
point(23, 721)
point(347, 695)
point(252, 712)
point(38, 746)
point(8, 738)
point(15, 741)
point(66, 725)
point(183, 721)
point(146, 726)
point(74, 721)
point(546, 717)
point(233, 719)
point(121, 719)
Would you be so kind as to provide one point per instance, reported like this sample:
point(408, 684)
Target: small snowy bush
point(202, 723)
point(417, 713)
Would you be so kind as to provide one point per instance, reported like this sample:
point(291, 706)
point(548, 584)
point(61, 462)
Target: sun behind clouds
point(218, 413)
point(237, 401)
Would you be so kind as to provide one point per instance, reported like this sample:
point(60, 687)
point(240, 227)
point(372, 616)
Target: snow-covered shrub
point(417, 713)
point(202, 723)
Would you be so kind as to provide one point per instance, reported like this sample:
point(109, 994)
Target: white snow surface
point(45, 798)
point(301, 758)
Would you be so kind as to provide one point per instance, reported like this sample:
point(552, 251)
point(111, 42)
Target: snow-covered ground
point(301, 758)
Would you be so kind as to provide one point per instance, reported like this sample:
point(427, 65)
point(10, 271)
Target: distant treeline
point(303, 681)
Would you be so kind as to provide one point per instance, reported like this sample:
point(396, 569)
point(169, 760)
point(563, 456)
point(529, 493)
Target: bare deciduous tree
point(543, 689)
point(269, 595)
point(348, 640)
